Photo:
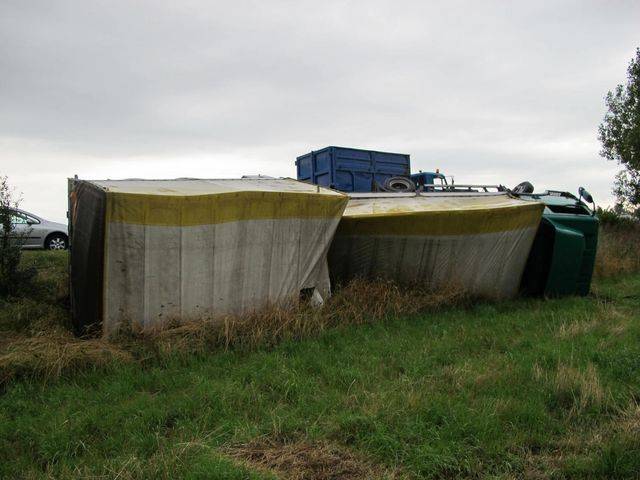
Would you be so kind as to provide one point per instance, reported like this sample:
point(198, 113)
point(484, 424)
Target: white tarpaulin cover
point(479, 242)
point(187, 248)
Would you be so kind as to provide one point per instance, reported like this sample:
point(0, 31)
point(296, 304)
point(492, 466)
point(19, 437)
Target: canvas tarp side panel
point(183, 258)
point(488, 264)
point(482, 249)
point(87, 217)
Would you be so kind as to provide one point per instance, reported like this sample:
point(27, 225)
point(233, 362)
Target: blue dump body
point(351, 169)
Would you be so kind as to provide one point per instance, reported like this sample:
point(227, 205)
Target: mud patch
point(306, 460)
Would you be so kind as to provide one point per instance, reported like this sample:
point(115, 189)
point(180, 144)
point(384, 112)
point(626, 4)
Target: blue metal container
point(351, 169)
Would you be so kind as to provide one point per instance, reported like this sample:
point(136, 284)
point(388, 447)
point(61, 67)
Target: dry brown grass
point(576, 389)
point(608, 319)
point(360, 302)
point(53, 353)
point(52, 350)
point(629, 420)
point(577, 328)
point(306, 460)
point(288, 460)
point(618, 251)
point(581, 388)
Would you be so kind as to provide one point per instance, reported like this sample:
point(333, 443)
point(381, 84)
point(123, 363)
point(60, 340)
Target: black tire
point(56, 241)
point(524, 187)
point(399, 184)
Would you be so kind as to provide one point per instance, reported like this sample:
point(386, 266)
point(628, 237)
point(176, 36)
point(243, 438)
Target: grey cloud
point(508, 89)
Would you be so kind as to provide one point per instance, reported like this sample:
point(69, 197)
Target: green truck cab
point(563, 254)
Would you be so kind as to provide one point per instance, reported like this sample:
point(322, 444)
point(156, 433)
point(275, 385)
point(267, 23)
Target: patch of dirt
point(305, 460)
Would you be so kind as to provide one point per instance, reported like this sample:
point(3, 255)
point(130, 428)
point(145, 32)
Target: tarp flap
point(86, 210)
point(478, 243)
point(186, 249)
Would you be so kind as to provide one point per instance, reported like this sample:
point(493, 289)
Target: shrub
point(618, 249)
point(12, 278)
point(611, 217)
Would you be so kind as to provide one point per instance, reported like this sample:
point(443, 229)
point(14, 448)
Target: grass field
point(529, 388)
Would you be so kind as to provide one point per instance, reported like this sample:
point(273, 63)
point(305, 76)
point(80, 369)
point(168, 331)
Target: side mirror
point(586, 195)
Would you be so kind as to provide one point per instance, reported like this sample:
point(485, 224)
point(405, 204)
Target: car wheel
point(56, 242)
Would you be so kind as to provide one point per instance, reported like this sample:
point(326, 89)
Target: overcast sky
point(496, 92)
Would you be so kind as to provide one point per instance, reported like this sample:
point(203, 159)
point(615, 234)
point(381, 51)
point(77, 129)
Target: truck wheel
point(524, 187)
point(399, 184)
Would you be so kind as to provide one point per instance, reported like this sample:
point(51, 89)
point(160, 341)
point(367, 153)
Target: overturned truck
point(477, 242)
point(144, 252)
point(419, 227)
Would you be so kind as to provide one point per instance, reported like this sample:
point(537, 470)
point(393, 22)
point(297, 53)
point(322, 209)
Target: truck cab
point(563, 254)
point(424, 180)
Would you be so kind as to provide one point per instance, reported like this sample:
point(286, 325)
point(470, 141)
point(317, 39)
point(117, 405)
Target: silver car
point(36, 232)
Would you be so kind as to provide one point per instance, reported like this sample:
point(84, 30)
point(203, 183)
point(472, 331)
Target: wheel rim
point(57, 244)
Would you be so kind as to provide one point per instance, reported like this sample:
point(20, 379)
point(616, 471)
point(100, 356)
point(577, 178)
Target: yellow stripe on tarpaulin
point(192, 210)
point(444, 222)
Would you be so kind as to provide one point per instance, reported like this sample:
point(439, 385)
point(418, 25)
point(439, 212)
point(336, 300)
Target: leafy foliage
point(12, 278)
point(627, 187)
point(620, 133)
point(618, 217)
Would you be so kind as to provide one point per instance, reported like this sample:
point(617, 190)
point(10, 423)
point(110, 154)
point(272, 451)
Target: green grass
point(45, 304)
point(527, 388)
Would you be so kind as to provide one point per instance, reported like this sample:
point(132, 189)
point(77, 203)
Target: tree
point(619, 134)
point(12, 279)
